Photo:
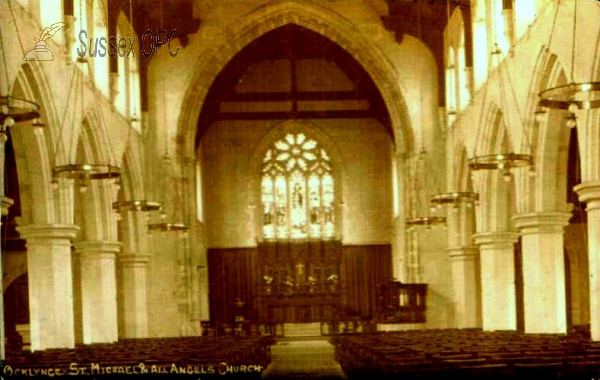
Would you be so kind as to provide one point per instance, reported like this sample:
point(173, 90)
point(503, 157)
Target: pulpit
point(401, 303)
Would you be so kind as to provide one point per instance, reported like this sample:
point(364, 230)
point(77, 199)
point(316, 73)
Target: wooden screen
point(232, 278)
point(365, 267)
point(310, 281)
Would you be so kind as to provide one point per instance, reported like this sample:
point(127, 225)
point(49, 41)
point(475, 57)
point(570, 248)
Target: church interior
point(196, 187)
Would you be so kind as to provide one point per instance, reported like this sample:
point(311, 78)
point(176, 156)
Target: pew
point(467, 354)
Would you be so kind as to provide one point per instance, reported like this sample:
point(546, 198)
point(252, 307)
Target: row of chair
point(468, 353)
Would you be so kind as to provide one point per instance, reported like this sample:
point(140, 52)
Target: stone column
point(464, 256)
point(589, 192)
point(135, 306)
point(499, 305)
point(465, 280)
point(400, 249)
point(50, 284)
point(98, 290)
point(5, 203)
point(544, 291)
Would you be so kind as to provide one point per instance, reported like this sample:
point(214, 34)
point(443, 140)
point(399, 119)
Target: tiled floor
point(303, 359)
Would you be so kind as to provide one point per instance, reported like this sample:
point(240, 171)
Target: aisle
point(303, 359)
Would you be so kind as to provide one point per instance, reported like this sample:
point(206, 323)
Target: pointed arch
point(311, 16)
point(33, 151)
point(550, 139)
point(496, 195)
point(98, 221)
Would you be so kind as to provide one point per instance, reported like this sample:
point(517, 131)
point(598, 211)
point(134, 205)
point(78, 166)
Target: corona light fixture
point(137, 205)
point(82, 173)
point(164, 226)
point(503, 162)
point(420, 216)
point(143, 205)
point(454, 198)
point(428, 221)
point(575, 95)
point(169, 227)
point(12, 109)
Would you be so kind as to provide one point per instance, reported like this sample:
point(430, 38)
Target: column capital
point(542, 222)
point(469, 252)
point(48, 231)
point(106, 246)
point(498, 239)
point(133, 259)
point(588, 191)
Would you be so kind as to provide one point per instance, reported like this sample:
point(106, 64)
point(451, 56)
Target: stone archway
point(318, 19)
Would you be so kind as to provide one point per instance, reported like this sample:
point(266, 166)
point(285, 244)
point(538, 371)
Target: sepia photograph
point(300, 189)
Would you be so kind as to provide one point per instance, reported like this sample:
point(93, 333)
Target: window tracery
point(297, 190)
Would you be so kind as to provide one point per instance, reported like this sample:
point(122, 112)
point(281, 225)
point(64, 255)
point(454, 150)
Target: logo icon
point(41, 52)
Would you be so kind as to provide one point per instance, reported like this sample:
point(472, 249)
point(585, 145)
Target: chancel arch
point(294, 115)
point(313, 17)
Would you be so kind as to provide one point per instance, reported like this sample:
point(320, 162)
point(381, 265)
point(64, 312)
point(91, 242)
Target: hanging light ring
point(500, 161)
point(426, 221)
point(568, 96)
point(164, 227)
point(137, 205)
point(86, 171)
point(17, 109)
point(454, 197)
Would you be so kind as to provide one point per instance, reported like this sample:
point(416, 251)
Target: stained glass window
point(297, 190)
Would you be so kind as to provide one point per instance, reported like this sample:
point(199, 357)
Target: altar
point(296, 282)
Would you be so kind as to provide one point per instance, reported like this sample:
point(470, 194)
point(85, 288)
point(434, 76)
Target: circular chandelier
point(575, 95)
point(571, 97)
point(164, 226)
point(137, 205)
point(503, 162)
point(14, 110)
point(428, 221)
point(169, 227)
point(454, 198)
point(84, 173)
